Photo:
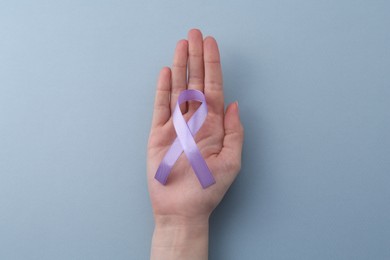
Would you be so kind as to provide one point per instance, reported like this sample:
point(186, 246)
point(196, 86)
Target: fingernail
point(237, 108)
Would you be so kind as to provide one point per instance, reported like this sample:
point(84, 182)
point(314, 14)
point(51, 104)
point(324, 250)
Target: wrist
point(178, 237)
point(165, 221)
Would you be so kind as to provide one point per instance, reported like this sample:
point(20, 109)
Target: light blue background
point(77, 83)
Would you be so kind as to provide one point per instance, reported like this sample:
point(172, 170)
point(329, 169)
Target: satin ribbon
point(185, 140)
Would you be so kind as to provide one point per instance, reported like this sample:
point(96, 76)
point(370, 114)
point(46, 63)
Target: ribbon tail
point(201, 169)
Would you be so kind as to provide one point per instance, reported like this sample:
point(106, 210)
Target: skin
point(182, 207)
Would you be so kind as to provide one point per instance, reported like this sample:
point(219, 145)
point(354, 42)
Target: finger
point(234, 137)
point(213, 77)
point(162, 111)
point(195, 63)
point(179, 72)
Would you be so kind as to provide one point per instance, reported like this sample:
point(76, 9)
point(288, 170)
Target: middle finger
point(195, 63)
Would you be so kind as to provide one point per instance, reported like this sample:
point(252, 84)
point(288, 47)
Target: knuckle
point(178, 65)
point(214, 85)
point(195, 54)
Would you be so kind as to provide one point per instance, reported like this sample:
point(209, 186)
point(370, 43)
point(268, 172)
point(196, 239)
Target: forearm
point(180, 238)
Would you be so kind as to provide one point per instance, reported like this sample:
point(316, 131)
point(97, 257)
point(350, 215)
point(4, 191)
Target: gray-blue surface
point(77, 83)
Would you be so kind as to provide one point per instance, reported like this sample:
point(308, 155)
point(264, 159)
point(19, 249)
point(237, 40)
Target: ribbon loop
point(185, 141)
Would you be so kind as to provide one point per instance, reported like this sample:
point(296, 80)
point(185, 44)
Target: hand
point(182, 203)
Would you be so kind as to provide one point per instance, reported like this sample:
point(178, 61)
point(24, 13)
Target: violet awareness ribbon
point(185, 140)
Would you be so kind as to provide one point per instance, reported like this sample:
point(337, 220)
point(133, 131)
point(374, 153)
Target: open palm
point(219, 139)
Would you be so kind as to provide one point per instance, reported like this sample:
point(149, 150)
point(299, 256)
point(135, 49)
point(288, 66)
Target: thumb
point(234, 137)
